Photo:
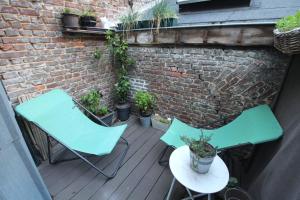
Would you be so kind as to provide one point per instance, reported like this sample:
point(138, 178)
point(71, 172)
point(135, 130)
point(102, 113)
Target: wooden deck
point(140, 177)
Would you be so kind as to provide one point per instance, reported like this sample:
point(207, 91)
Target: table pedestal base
point(190, 197)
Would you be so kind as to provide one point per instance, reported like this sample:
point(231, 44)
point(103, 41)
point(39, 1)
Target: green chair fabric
point(253, 126)
point(56, 113)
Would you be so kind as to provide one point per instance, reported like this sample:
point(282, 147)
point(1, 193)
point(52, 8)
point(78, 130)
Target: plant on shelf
point(88, 18)
point(202, 153)
point(91, 101)
point(145, 102)
point(289, 22)
point(70, 19)
point(163, 15)
point(123, 61)
point(129, 21)
point(287, 33)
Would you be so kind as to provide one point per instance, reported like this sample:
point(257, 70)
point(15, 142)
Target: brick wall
point(198, 85)
point(35, 56)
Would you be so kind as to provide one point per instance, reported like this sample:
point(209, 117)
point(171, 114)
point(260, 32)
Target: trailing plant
point(119, 49)
point(200, 146)
point(162, 11)
point(145, 102)
point(289, 22)
point(97, 54)
point(92, 102)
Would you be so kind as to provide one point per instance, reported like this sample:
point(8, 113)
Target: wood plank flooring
point(140, 177)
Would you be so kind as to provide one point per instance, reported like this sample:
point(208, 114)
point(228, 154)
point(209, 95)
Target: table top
point(213, 181)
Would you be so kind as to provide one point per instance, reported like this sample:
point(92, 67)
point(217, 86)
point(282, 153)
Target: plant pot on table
point(123, 111)
point(70, 20)
point(88, 21)
point(199, 164)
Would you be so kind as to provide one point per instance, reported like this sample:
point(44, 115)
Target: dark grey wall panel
point(19, 178)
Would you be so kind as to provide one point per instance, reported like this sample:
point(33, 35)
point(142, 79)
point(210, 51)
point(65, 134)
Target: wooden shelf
point(83, 31)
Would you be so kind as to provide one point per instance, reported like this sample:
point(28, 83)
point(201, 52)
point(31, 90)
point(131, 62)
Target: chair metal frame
point(79, 156)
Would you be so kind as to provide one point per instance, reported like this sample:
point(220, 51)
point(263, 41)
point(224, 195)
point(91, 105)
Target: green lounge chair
point(57, 114)
point(255, 125)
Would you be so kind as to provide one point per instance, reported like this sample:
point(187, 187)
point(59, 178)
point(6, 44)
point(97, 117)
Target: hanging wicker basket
point(287, 42)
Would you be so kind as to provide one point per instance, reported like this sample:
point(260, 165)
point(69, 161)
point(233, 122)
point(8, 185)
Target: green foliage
point(88, 13)
point(129, 20)
point(145, 102)
point(200, 147)
point(97, 54)
point(119, 49)
point(289, 22)
point(122, 88)
point(161, 11)
point(92, 102)
point(69, 11)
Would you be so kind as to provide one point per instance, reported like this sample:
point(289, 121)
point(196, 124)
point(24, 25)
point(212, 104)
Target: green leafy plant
point(161, 11)
point(119, 49)
point(200, 146)
point(129, 20)
point(122, 89)
point(97, 54)
point(69, 11)
point(145, 102)
point(289, 22)
point(92, 102)
point(88, 13)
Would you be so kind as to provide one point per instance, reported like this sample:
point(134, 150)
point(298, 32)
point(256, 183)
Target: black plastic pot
point(145, 24)
point(107, 119)
point(168, 22)
point(70, 20)
point(123, 111)
point(88, 21)
point(236, 194)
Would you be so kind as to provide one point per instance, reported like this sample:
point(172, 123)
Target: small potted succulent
point(88, 19)
point(202, 153)
point(160, 123)
point(91, 101)
point(145, 102)
point(70, 19)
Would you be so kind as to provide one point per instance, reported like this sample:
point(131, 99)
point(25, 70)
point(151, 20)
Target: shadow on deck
point(140, 177)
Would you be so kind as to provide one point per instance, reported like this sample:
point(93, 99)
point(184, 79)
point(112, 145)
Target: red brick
point(9, 9)
point(6, 47)
point(29, 12)
point(39, 87)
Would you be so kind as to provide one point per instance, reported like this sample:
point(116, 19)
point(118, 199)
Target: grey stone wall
point(201, 85)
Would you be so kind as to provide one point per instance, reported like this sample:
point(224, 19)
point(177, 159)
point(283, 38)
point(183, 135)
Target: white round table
point(213, 181)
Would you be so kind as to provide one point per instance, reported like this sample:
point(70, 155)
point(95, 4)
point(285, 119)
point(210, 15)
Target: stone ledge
point(260, 35)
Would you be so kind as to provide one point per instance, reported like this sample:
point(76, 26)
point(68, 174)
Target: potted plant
point(145, 102)
point(129, 21)
point(88, 19)
point(70, 19)
point(91, 101)
point(287, 34)
point(160, 123)
point(121, 59)
point(163, 15)
point(202, 153)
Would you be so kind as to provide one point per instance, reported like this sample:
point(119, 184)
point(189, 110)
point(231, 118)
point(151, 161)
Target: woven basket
point(287, 42)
